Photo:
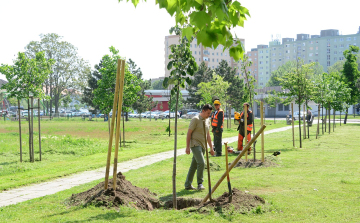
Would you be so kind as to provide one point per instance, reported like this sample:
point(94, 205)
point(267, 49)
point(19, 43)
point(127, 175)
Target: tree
point(296, 86)
point(181, 64)
point(25, 80)
point(209, 22)
point(180, 103)
point(217, 86)
point(351, 75)
point(273, 100)
point(69, 70)
point(157, 85)
point(66, 100)
point(288, 67)
point(104, 94)
point(203, 74)
point(88, 91)
point(235, 91)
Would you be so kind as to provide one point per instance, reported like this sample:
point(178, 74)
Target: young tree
point(351, 75)
point(181, 64)
point(295, 86)
point(69, 70)
point(88, 91)
point(217, 86)
point(25, 80)
point(104, 94)
point(66, 100)
point(273, 100)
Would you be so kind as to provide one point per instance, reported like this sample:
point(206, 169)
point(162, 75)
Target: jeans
point(197, 164)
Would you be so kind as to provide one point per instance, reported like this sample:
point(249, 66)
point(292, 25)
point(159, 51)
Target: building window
point(334, 40)
point(341, 45)
point(335, 59)
point(261, 68)
point(279, 59)
point(260, 62)
point(279, 54)
point(249, 54)
point(328, 40)
point(199, 53)
point(280, 107)
point(261, 51)
point(273, 65)
point(311, 48)
point(221, 54)
point(328, 57)
point(225, 54)
point(335, 46)
point(212, 60)
point(354, 38)
point(311, 42)
point(310, 54)
point(348, 39)
point(261, 57)
point(335, 52)
point(304, 44)
point(317, 48)
point(274, 54)
point(195, 45)
point(287, 45)
point(217, 54)
point(328, 51)
point(328, 63)
point(328, 44)
point(287, 51)
point(199, 59)
point(286, 107)
point(341, 39)
point(310, 61)
point(274, 48)
point(195, 52)
point(267, 62)
point(217, 60)
point(267, 51)
point(190, 45)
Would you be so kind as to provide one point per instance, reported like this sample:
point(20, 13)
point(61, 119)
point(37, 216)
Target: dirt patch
point(125, 194)
point(213, 166)
point(141, 198)
point(268, 162)
point(241, 202)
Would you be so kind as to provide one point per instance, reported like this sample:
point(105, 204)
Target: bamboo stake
point(235, 162)
point(245, 129)
point(329, 120)
point(29, 129)
point(117, 86)
point(39, 128)
point(262, 134)
point(20, 130)
point(121, 63)
point(292, 123)
point(32, 129)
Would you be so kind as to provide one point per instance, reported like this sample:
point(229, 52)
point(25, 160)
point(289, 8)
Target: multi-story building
point(253, 57)
point(326, 48)
point(211, 57)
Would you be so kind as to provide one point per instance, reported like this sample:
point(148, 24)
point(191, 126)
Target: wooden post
point(318, 126)
point(230, 114)
point(304, 125)
point(39, 128)
point(116, 94)
point(19, 112)
point(262, 134)
point(29, 129)
point(32, 129)
point(235, 162)
point(292, 123)
point(124, 129)
point(121, 64)
point(334, 120)
point(329, 120)
point(245, 129)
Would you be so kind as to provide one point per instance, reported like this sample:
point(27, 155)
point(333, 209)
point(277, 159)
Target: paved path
point(39, 190)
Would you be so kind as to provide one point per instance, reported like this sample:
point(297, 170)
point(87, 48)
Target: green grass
point(70, 146)
point(317, 183)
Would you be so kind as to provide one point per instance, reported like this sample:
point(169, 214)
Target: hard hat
point(237, 115)
point(217, 102)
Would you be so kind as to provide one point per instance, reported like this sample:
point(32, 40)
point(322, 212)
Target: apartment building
point(326, 48)
point(211, 57)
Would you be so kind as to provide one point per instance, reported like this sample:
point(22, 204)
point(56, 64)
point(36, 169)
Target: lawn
point(316, 183)
point(74, 145)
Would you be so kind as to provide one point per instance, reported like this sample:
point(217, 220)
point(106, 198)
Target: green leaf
point(171, 6)
point(170, 64)
point(135, 2)
point(200, 19)
point(204, 38)
point(199, 1)
point(188, 32)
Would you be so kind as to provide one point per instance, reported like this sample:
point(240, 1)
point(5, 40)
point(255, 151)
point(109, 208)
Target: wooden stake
point(304, 125)
point(235, 162)
point(318, 126)
point(117, 86)
point(262, 134)
point(19, 112)
point(245, 129)
point(292, 123)
point(32, 129)
point(39, 128)
point(120, 100)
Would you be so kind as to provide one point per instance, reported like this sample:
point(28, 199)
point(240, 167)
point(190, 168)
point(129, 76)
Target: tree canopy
point(209, 22)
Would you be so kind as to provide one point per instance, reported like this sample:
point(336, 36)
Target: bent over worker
point(241, 128)
point(217, 120)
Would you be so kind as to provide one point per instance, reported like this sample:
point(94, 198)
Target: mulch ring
point(269, 161)
point(142, 199)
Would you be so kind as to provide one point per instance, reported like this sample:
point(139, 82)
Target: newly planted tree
point(182, 65)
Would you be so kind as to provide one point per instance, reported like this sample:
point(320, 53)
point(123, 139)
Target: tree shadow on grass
point(178, 194)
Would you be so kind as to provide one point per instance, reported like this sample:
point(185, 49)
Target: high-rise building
point(326, 48)
point(211, 57)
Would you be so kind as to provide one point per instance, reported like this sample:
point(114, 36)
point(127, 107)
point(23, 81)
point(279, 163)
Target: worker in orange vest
point(217, 120)
point(241, 128)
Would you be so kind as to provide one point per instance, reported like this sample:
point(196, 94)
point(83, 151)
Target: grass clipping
point(142, 199)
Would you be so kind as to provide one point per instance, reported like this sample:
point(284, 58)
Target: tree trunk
point(169, 115)
point(175, 148)
point(325, 118)
point(29, 130)
point(275, 114)
point(308, 135)
point(340, 118)
point(318, 125)
point(304, 122)
point(19, 112)
point(329, 120)
point(346, 114)
point(32, 129)
point(300, 124)
point(322, 118)
point(109, 124)
point(334, 121)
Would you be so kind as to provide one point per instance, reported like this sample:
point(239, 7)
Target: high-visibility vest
point(249, 126)
point(214, 119)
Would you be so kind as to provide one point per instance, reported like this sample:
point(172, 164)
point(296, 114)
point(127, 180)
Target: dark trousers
point(217, 142)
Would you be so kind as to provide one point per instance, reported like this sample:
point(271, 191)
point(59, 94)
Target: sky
point(139, 33)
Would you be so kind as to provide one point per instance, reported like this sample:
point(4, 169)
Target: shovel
point(227, 173)
point(207, 162)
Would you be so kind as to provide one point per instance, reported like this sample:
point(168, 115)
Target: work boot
point(200, 187)
point(191, 187)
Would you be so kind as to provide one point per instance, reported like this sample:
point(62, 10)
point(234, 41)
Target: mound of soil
point(268, 162)
point(213, 166)
point(125, 194)
point(241, 201)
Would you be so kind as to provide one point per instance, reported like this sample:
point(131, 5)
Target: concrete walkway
point(15, 196)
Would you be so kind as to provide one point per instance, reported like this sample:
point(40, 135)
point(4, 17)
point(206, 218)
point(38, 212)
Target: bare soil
point(141, 198)
point(268, 162)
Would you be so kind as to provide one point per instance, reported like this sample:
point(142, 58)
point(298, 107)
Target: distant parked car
point(165, 114)
point(190, 115)
point(296, 115)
